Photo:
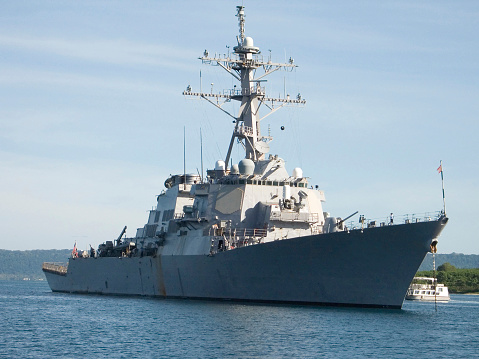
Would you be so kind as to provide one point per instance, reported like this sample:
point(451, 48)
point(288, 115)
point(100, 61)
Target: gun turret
point(344, 220)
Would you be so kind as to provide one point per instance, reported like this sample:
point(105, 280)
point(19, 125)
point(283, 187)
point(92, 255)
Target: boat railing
point(244, 130)
point(293, 216)
point(422, 286)
point(249, 232)
point(394, 220)
point(55, 267)
point(227, 239)
point(237, 232)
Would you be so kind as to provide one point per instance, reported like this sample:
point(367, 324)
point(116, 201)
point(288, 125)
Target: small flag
point(439, 169)
point(74, 251)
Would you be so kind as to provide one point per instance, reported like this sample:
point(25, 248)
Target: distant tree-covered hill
point(459, 280)
point(15, 265)
point(458, 260)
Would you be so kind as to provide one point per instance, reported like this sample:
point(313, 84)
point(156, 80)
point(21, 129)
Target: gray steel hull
point(370, 268)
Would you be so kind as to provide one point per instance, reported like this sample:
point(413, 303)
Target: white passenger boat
point(427, 289)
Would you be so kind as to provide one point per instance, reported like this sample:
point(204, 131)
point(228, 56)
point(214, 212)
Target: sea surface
point(36, 323)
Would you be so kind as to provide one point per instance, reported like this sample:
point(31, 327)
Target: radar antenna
point(241, 17)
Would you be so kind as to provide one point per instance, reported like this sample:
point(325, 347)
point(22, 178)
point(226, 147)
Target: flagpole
point(184, 158)
point(442, 181)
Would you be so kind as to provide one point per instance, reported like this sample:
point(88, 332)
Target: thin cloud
point(117, 52)
point(26, 76)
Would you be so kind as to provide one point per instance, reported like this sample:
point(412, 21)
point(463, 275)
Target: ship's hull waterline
point(369, 268)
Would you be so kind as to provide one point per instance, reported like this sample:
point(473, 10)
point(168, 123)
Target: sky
point(92, 113)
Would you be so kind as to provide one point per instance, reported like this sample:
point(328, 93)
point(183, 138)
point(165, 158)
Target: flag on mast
point(439, 169)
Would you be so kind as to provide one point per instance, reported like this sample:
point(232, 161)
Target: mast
point(201, 145)
point(184, 157)
point(440, 170)
point(243, 65)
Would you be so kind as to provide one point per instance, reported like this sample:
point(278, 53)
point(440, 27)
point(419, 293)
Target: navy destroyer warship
point(252, 231)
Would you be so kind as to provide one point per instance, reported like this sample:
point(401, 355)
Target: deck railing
point(395, 220)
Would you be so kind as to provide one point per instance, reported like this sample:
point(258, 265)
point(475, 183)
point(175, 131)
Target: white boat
point(427, 289)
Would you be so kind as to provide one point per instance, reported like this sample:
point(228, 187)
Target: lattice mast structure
point(243, 65)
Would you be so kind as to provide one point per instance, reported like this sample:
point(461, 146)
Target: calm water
point(36, 323)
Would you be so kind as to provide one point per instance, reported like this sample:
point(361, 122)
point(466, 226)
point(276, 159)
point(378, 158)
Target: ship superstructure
point(252, 231)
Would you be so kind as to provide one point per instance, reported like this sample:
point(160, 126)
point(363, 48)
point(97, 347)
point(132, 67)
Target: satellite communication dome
point(298, 173)
point(246, 167)
point(248, 42)
point(247, 47)
point(220, 165)
point(235, 169)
